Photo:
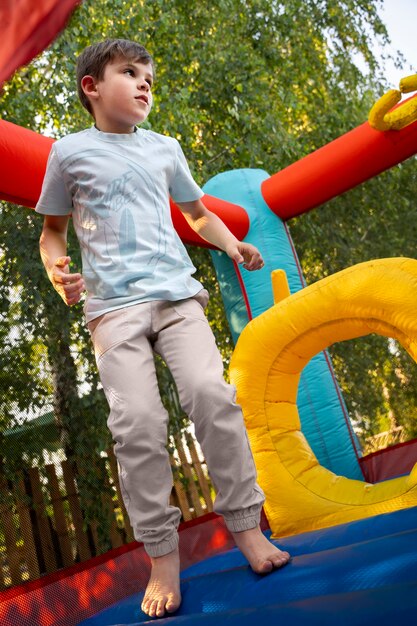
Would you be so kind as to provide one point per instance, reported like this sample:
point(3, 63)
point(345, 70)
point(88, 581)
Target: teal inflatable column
point(324, 419)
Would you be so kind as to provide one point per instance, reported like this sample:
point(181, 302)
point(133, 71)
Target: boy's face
point(123, 98)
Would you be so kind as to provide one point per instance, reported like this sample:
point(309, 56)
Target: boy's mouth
point(143, 98)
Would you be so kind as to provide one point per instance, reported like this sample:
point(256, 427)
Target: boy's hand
point(247, 254)
point(69, 286)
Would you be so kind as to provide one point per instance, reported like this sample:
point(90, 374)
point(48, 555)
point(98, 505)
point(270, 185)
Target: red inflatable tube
point(233, 215)
point(336, 167)
point(27, 28)
point(23, 157)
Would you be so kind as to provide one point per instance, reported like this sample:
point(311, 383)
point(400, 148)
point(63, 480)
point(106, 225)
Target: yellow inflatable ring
point(373, 297)
point(382, 118)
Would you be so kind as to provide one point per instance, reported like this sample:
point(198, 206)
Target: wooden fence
point(41, 522)
point(385, 439)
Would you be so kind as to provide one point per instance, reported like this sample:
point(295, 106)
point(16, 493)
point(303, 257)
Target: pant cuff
point(243, 520)
point(162, 547)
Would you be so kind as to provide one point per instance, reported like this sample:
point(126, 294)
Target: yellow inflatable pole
point(373, 297)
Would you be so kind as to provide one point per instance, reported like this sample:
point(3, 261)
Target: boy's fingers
point(66, 279)
point(77, 287)
point(69, 286)
point(62, 261)
point(238, 258)
point(255, 262)
point(248, 255)
point(71, 293)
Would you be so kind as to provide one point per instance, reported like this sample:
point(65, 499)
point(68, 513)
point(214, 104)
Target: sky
point(400, 18)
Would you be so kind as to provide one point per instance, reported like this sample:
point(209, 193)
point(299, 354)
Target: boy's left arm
point(211, 228)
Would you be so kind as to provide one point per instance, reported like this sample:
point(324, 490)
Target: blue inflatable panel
point(324, 419)
point(364, 572)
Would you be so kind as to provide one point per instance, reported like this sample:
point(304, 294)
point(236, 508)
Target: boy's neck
point(116, 132)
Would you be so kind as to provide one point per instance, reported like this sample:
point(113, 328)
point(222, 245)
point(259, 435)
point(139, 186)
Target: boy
point(115, 179)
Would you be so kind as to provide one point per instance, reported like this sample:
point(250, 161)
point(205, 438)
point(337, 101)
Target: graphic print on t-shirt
point(111, 216)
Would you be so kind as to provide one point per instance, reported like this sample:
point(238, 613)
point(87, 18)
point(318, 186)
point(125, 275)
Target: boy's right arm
point(53, 248)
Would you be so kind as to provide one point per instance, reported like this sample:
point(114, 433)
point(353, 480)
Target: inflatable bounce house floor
point(364, 572)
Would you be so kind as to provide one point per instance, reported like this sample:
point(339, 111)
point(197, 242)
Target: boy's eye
point(130, 72)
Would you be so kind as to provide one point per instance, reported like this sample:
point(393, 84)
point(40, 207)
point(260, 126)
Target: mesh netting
point(76, 593)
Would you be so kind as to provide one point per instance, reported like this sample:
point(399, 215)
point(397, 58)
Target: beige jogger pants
point(124, 341)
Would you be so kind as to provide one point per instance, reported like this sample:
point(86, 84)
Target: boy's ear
point(89, 87)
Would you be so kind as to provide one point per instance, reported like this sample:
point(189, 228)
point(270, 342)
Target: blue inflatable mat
point(364, 572)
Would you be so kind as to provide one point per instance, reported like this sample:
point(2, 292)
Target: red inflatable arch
point(27, 28)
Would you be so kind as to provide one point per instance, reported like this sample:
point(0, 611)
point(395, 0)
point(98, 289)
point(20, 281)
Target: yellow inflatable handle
point(381, 118)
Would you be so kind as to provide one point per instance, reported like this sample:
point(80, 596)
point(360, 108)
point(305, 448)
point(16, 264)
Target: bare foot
point(262, 555)
point(163, 591)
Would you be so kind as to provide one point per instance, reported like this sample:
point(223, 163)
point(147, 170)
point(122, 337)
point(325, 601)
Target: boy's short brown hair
point(93, 60)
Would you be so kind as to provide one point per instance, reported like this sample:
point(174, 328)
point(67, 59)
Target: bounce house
point(350, 523)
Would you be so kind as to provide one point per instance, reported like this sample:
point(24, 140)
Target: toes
point(280, 559)
point(149, 606)
point(145, 605)
point(286, 556)
point(275, 561)
point(160, 608)
point(154, 608)
point(172, 605)
point(266, 567)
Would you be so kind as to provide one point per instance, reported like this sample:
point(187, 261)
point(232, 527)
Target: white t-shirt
point(117, 189)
